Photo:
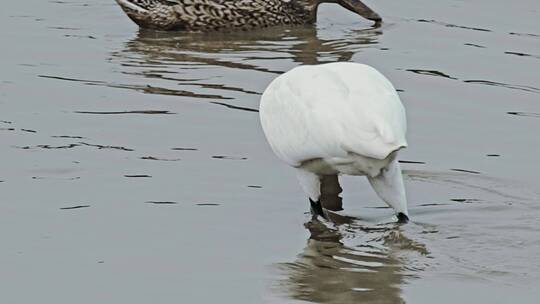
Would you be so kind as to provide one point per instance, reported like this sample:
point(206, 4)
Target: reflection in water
point(525, 88)
point(75, 207)
point(301, 44)
point(455, 25)
point(524, 114)
point(353, 262)
point(216, 66)
point(73, 145)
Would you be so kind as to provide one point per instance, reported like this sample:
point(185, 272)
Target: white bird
point(338, 118)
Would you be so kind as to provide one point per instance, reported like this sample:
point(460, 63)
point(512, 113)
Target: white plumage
point(338, 118)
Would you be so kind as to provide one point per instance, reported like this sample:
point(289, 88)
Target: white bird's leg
point(330, 190)
point(389, 186)
point(311, 184)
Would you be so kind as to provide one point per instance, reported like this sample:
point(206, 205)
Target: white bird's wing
point(330, 111)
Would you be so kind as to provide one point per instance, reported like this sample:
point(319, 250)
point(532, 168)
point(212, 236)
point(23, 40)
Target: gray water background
point(182, 201)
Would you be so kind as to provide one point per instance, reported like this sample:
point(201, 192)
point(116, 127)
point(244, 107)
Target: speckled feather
point(202, 15)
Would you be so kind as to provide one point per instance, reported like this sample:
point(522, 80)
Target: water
point(135, 170)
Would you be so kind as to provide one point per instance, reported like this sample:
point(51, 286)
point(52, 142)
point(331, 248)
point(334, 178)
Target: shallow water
point(135, 170)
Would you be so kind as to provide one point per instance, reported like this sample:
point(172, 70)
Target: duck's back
point(203, 15)
point(331, 111)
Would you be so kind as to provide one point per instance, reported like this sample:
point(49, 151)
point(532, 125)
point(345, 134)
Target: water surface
point(135, 170)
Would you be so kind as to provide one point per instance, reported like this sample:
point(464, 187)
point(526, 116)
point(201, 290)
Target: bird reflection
point(217, 65)
point(347, 261)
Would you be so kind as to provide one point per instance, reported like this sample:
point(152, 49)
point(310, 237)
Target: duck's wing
point(332, 110)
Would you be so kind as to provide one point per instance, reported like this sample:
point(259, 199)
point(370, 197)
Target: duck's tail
point(139, 6)
point(156, 14)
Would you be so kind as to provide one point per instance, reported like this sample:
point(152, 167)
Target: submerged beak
point(356, 6)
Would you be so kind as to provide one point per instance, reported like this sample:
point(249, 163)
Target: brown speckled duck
point(208, 15)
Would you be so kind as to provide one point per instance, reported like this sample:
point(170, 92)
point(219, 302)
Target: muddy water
point(134, 169)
